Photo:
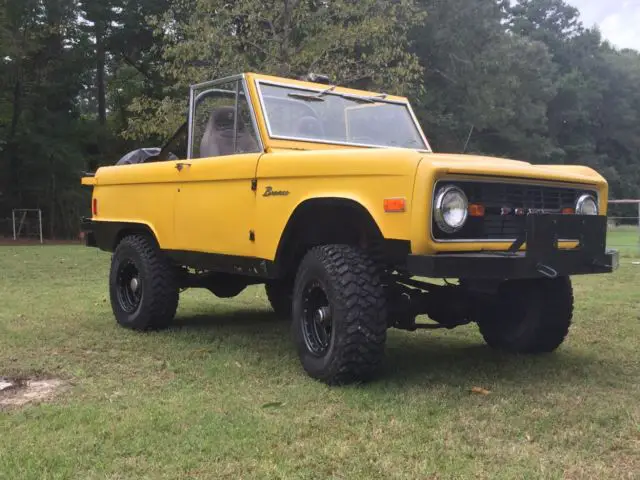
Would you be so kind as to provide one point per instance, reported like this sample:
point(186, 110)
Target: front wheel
point(142, 284)
point(339, 314)
point(527, 316)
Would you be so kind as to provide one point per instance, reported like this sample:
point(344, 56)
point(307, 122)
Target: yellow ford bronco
point(333, 199)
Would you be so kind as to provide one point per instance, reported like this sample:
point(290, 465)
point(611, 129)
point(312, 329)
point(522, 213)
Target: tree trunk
point(284, 68)
point(15, 117)
point(13, 184)
point(52, 201)
point(100, 74)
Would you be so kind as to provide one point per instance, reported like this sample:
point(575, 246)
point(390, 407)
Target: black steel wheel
point(317, 322)
point(339, 314)
point(129, 286)
point(527, 316)
point(143, 285)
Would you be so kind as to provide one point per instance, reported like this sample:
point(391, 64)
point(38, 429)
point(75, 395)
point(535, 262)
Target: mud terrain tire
point(143, 285)
point(339, 315)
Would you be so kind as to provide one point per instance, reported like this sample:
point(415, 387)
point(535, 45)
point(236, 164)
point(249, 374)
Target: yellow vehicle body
point(221, 205)
point(333, 199)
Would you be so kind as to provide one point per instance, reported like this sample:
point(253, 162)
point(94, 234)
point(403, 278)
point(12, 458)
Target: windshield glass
point(329, 117)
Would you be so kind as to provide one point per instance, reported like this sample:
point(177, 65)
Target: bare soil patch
point(15, 393)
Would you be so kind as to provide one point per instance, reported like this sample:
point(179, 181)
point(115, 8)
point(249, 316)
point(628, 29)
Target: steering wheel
point(310, 127)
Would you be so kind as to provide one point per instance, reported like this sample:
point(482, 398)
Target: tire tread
point(159, 311)
point(552, 324)
point(360, 296)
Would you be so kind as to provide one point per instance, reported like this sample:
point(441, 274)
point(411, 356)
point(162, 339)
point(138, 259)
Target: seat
point(217, 139)
point(310, 127)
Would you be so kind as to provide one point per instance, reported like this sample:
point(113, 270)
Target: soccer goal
point(27, 223)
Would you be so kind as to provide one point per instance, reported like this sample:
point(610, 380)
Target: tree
point(82, 82)
point(593, 116)
point(363, 42)
point(41, 158)
point(123, 43)
point(99, 17)
point(552, 22)
point(485, 88)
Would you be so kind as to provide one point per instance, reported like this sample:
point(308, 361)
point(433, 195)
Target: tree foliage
point(84, 81)
point(362, 42)
point(485, 88)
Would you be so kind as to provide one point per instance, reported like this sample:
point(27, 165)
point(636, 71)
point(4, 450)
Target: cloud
point(617, 20)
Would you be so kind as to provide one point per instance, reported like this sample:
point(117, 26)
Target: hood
point(386, 161)
point(463, 164)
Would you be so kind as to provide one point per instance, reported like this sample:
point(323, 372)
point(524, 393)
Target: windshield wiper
point(360, 99)
point(316, 97)
point(319, 97)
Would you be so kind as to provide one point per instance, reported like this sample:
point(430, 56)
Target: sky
point(618, 20)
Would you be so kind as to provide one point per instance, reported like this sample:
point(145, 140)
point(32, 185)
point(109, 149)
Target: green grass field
point(625, 239)
point(222, 394)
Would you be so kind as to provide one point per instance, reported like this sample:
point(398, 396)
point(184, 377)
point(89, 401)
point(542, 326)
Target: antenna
point(466, 144)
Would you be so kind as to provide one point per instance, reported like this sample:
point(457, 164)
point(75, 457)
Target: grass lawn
point(626, 239)
point(222, 395)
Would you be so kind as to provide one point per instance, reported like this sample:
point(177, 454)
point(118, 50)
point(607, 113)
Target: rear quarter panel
point(143, 194)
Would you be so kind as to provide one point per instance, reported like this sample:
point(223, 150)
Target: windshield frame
point(339, 93)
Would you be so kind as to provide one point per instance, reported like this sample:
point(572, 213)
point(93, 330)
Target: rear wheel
point(142, 284)
point(339, 314)
point(527, 316)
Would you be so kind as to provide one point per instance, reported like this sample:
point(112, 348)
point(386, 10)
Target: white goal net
point(27, 224)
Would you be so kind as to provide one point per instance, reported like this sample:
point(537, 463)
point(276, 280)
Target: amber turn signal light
point(568, 211)
point(394, 205)
point(476, 210)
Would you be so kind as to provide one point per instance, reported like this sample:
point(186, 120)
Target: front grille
point(501, 200)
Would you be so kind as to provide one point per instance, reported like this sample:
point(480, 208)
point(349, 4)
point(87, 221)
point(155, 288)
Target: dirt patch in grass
point(15, 393)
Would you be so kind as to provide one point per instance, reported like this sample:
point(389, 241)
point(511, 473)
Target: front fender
point(365, 177)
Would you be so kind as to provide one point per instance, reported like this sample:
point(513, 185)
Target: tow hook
point(546, 270)
point(598, 263)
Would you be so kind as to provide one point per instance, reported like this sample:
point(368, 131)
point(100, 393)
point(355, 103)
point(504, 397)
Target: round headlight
point(450, 209)
point(587, 205)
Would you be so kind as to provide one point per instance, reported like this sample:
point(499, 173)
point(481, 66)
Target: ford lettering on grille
point(506, 211)
point(506, 207)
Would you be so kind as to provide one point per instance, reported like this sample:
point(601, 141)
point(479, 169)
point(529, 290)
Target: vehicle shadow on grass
point(258, 327)
point(464, 362)
point(230, 320)
point(246, 335)
point(414, 359)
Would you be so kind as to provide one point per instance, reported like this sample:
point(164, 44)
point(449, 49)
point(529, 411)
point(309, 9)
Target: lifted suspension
point(447, 305)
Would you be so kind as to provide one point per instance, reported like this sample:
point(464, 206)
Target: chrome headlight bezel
point(583, 201)
point(438, 208)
